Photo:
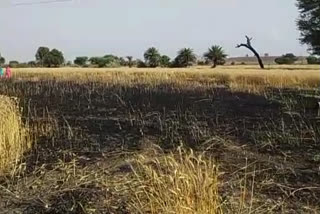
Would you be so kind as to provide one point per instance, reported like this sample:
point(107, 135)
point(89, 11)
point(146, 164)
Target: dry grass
point(183, 183)
point(238, 78)
point(14, 139)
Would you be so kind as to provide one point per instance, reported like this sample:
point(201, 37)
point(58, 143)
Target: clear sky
point(129, 27)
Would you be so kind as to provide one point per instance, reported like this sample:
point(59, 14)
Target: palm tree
point(185, 58)
point(152, 57)
point(216, 55)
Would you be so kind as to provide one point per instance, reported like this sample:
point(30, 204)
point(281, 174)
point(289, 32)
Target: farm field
point(235, 139)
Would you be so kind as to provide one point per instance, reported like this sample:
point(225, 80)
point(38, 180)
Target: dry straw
point(237, 78)
point(183, 183)
point(14, 140)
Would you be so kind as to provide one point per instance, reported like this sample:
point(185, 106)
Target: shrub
point(23, 65)
point(81, 60)
point(32, 64)
point(141, 64)
point(14, 139)
point(202, 62)
point(221, 62)
point(14, 64)
point(165, 61)
point(286, 59)
point(312, 60)
point(232, 63)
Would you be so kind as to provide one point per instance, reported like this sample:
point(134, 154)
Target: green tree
point(313, 60)
point(165, 61)
point(2, 60)
point(98, 61)
point(42, 52)
point(22, 65)
point(32, 64)
point(309, 24)
point(152, 57)
point(130, 61)
point(54, 58)
point(185, 58)
point(111, 60)
point(141, 64)
point(81, 60)
point(216, 55)
point(286, 59)
point(102, 62)
point(123, 62)
point(94, 60)
point(14, 64)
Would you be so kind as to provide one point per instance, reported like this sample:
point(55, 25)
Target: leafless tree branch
point(249, 46)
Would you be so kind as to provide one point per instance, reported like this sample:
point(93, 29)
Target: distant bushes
point(81, 60)
point(14, 64)
point(141, 64)
point(287, 59)
point(109, 61)
point(202, 62)
point(313, 60)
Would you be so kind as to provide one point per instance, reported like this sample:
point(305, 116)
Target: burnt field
point(87, 137)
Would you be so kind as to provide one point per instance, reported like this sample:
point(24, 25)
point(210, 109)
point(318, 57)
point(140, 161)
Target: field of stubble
point(234, 139)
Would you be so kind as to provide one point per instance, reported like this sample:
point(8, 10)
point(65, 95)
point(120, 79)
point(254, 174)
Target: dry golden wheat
point(185, 183)
point(14, 140)
point(238, 78)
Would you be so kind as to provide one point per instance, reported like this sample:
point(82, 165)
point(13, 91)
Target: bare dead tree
point(249, 46)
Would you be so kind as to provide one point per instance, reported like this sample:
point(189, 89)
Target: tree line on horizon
point(152, 58)
point(308, 23)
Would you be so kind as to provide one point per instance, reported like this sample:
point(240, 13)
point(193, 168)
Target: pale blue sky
point(128, 27)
